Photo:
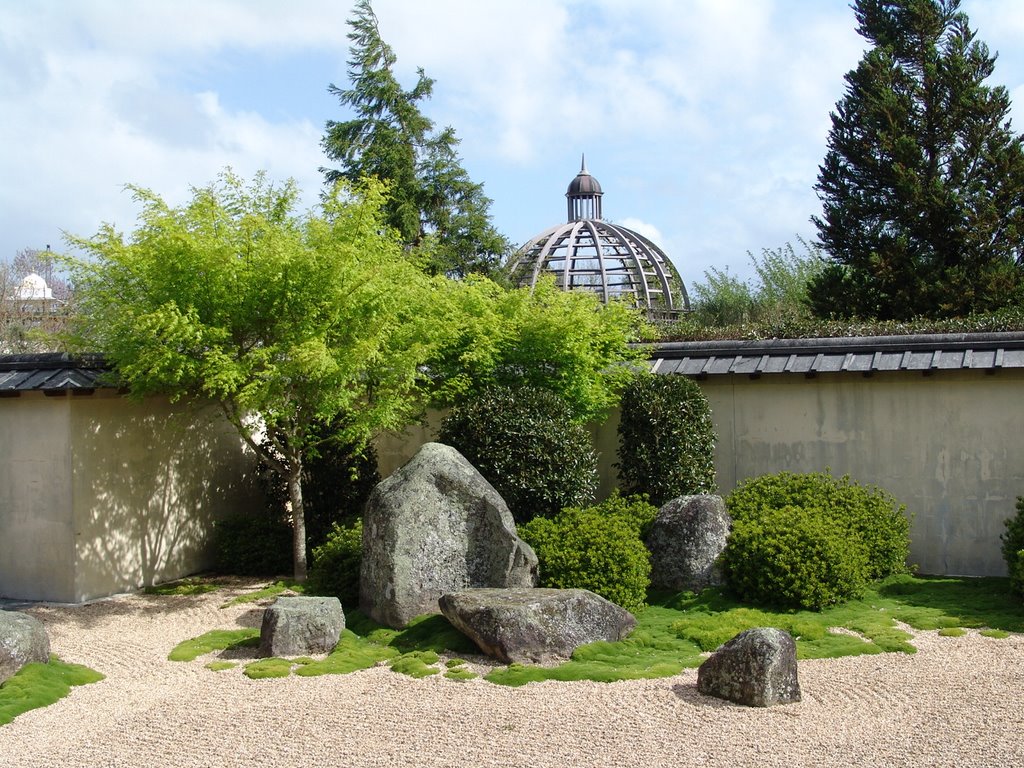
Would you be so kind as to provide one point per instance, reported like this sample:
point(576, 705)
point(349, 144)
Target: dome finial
point(583, 164)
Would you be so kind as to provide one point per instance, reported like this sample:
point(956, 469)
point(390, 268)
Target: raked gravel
point(957, 702)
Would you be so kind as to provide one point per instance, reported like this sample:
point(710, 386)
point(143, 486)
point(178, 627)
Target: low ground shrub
point(811, 540)
point(1013, 548)
point(597, 548)
point(527, 446)
point(336, 564)
point(666, 439)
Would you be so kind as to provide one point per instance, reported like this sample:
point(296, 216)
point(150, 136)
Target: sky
point(704, 120)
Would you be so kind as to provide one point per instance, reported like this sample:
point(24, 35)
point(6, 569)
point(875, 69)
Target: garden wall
point(100, 494)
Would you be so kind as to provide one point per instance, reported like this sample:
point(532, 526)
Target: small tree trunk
point(298, 519)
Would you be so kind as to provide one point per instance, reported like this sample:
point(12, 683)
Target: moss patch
point(271, 590)
point(217, 640)
point(351, 654)
point(220, 666)
point(952, 632)
point(998, 634)
point(39, 685)
point(416, 664)
point(460, 674)
point(194, 585)
point(274, 667)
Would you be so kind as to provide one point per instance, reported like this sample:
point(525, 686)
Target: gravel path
point(957, 702)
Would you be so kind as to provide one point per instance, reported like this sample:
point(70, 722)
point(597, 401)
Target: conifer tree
point(434, 204)
point(923, 182)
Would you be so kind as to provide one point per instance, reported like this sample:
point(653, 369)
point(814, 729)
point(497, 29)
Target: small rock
point(23, 639)
point(756, 668)
point(535, 625)
point(685, 540)
point(297, 626)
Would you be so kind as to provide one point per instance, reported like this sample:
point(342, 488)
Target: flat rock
point(535, 625)
point(298, 626)
point(685, 540)
point(756, 668)
point(436, 526)
point(23, 639)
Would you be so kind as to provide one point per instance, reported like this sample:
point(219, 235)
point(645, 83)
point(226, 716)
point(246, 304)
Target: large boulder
point(436, 526)
point(756, 668)
point(685, 540)
point(23, 639)
point(535, 625)
point(298, 626)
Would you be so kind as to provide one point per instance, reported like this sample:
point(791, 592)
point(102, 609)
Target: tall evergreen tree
point(923, 182)
point(433, 202)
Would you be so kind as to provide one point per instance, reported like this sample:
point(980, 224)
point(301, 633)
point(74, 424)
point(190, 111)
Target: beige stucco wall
point(945, 445)
point(103, 494)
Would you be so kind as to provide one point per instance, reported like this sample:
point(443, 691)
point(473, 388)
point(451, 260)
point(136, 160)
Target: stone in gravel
point(297, 626)
point(436, 526)
point(23, 639)
point(535, 625)
point(685, 540)
point(756, 668)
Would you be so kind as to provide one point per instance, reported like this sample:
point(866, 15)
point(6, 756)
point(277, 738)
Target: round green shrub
point(794, 557)
point(336, 564)
point(666, 439)
point(597, 548)
point(1013, 548)
point(866, 513)
point(527, 446)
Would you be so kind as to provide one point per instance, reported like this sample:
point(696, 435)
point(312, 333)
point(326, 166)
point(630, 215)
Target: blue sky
point(704, 120)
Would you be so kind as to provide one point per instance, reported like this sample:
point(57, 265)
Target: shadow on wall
point(149, 480)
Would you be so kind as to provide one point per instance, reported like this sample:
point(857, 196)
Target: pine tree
point(434, 204)
point(923, 182)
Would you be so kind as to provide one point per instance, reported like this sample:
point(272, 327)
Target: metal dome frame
point(589, 253)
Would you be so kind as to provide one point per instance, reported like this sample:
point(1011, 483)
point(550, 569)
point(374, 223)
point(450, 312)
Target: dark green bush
point(666, 439)
point(256, 545)
point(336, 564)
point(794, 557)
point(866, 512)
point(1013, 548)
point(597, 548)
point(525, 443)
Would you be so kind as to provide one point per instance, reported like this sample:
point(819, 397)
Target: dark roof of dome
point(584, 183)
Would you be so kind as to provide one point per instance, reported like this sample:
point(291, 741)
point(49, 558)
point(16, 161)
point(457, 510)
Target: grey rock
point(23, 639)
point(436, 526)
point(296, 626)
point(756, 668)
point(685, 540)
point(535, 625)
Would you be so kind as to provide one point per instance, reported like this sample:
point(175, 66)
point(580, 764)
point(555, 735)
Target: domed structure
point(589, 253)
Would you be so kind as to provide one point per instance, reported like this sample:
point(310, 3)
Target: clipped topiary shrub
point(870, 513)
point(257, 545)
point(1013, 548)
point(597, 548)
point(527, 446)
point(336, 564)
point(666, 439)
point(794, 557)
point(811, 540)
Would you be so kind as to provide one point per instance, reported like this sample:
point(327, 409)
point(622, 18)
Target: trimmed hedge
point(597, 548)
point(1013, 548)
point(812, 540)
point(527, 446)
point(666, 439)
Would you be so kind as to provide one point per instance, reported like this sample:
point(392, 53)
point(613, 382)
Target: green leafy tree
point(285, 320)
point(564, 342)
point(432, 203)
point(923, 183)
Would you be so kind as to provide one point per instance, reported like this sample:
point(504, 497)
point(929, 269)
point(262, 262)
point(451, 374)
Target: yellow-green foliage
point(215, 640)
point(336, 564)
point(597, 548)
point(1013, 548)
point(39, 685)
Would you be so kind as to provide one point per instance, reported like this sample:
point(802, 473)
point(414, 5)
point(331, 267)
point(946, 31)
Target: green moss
point(453, 663)
point(220, 666)
point(998, 634)
point(952, 632)
point(416, 664)
point(272, 667)
point(460, 674)
point(271, 590)
point(39, 685)
point(351, 654)
point(194, 585)
point(216, 640)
